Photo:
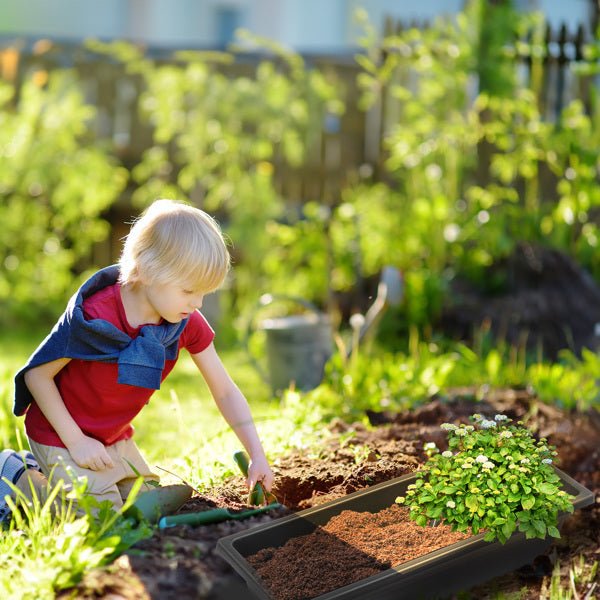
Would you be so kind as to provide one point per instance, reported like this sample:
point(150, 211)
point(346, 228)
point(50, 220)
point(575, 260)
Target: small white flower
point(505, 434)
point(448, 426)
point(481, 458)
point(447, 454)
point(357, 321)
point(547, 461)
point(487, 424)
point(501, 418)
point(525, 461)
point(451, 504)
point(469, 428)
point(460, 432)
point(429, 446)
point(488, 465)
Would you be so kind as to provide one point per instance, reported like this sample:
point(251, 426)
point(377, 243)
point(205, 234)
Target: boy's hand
point(259, 470)
point(90, 454)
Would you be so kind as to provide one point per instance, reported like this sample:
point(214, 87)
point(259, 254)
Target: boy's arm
point(87, 452)
point(235, 410)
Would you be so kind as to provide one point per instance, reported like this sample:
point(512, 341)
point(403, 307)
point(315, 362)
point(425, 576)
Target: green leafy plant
point(495, 477)
point(60, 536)
point(56, 181)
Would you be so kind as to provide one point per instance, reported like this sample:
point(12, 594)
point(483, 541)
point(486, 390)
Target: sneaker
point(30, 460)
point(12, 466)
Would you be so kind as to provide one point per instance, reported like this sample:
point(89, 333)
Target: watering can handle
point(263, 301)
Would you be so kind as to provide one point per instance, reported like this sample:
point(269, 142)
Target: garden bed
point(181, 562)
point(363, 546)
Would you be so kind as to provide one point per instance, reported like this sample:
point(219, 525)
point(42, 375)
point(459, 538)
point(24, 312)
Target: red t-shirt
point(102, 407)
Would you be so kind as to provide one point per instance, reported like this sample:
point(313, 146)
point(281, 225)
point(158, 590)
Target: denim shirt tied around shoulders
point(141, 360)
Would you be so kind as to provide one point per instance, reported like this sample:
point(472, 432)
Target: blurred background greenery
point(440, 149)
point(462, 149)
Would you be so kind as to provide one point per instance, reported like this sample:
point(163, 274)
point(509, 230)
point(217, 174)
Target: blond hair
point(173, 242)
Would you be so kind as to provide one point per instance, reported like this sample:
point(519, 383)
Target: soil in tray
point(350, 547)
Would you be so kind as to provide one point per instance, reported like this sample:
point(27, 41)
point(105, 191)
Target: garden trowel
point(214, 515)
point(258, 496)
point(159, 501)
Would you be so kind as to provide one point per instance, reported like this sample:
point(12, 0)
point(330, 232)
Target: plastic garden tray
point(435, 575)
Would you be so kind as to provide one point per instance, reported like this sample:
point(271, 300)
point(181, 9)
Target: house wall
point(304, 25)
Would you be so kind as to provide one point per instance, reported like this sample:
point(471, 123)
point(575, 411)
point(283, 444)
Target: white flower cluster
point(448, 426)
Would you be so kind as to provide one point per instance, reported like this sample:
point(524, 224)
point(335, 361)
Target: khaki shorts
point(113, 484)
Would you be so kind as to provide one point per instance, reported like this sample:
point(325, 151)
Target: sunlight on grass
point(48, 547)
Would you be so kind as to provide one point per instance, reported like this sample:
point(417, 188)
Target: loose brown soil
point(181, 563)
point(350, 547)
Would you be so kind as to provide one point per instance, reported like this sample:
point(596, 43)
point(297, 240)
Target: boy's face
point(173, 301)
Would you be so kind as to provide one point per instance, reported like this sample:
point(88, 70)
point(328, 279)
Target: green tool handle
point(215, 515)
point(206, 517)
point(257, 495)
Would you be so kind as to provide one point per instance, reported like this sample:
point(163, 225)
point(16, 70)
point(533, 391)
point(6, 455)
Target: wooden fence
point(350, 147)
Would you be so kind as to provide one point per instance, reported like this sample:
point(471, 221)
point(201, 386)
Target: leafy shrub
point(54, 184)
point(494, 478)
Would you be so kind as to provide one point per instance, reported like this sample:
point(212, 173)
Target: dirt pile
point(538, 297)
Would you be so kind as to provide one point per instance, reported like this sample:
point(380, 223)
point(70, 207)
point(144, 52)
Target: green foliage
point(467, 167)
point(493, 478)
point(378, 380)
point(55, 182)
point(48, 547)
point(571, 382)
point(465, 146)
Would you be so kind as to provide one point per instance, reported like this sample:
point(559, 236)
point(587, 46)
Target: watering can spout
point(389, 293)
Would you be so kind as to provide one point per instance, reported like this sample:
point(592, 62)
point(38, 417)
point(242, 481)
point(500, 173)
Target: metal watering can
point(298, 346)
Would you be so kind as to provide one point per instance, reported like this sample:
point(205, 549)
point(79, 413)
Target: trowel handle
point(242, 461)
point(257, 495)
point(215, 515)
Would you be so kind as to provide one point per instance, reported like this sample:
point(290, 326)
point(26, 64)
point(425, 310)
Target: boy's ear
point(136, 277)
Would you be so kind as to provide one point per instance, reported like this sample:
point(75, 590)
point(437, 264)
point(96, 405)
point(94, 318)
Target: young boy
point(118, 339)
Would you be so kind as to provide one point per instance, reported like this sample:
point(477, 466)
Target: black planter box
point(435, 575)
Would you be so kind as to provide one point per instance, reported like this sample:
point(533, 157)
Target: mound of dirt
point(181, 563)
point(544, 300)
